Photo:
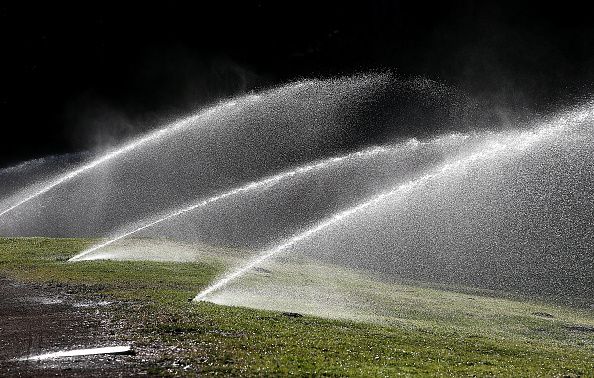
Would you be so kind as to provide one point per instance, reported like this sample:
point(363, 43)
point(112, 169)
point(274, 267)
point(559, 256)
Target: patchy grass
point(206, 338)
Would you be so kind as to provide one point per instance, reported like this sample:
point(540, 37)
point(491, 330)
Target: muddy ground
point(37, 319)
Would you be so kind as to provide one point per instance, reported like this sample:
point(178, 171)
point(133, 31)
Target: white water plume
point(199, 118)
point(27, 173)
point(404, 148)
point(513, 141)
point(236, 142)
point(247, 187)
point(135, 144)
point(259, 171)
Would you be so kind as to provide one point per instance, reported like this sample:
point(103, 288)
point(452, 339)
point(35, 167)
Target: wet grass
point(206, 338)
point(354, 295)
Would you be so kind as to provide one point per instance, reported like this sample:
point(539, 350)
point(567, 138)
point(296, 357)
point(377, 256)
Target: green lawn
point(425, 331)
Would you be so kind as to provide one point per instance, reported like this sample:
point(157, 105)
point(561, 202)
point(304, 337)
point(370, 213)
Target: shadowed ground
point(55, 316)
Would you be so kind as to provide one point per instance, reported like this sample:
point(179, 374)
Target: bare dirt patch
point(42, 318)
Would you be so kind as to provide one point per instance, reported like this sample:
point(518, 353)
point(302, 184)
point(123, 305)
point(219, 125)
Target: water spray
point(151, 137)
point(519, 143)
point(408, 145)
point(255, 185)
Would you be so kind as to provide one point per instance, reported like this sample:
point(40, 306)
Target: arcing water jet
point(135, 144)
point(495, 147)
point(409, 145)
point(17, 177)
point(329, 222)
point(244, 188)
point(152, 137)
point(240, 141)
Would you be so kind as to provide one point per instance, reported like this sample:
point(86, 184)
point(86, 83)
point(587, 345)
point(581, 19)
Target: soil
point(37, 319)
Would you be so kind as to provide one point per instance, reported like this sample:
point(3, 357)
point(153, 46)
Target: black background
point(78, 76)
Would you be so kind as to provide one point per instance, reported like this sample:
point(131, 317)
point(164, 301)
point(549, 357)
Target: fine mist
point(236, 141)
point(293, 178)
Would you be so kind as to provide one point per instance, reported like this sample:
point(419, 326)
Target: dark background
point(79, 76)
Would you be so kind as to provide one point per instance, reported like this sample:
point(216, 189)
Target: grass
point(354, 295)
point(427, 332)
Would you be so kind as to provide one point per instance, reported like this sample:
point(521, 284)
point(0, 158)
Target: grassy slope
point(220, 339)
